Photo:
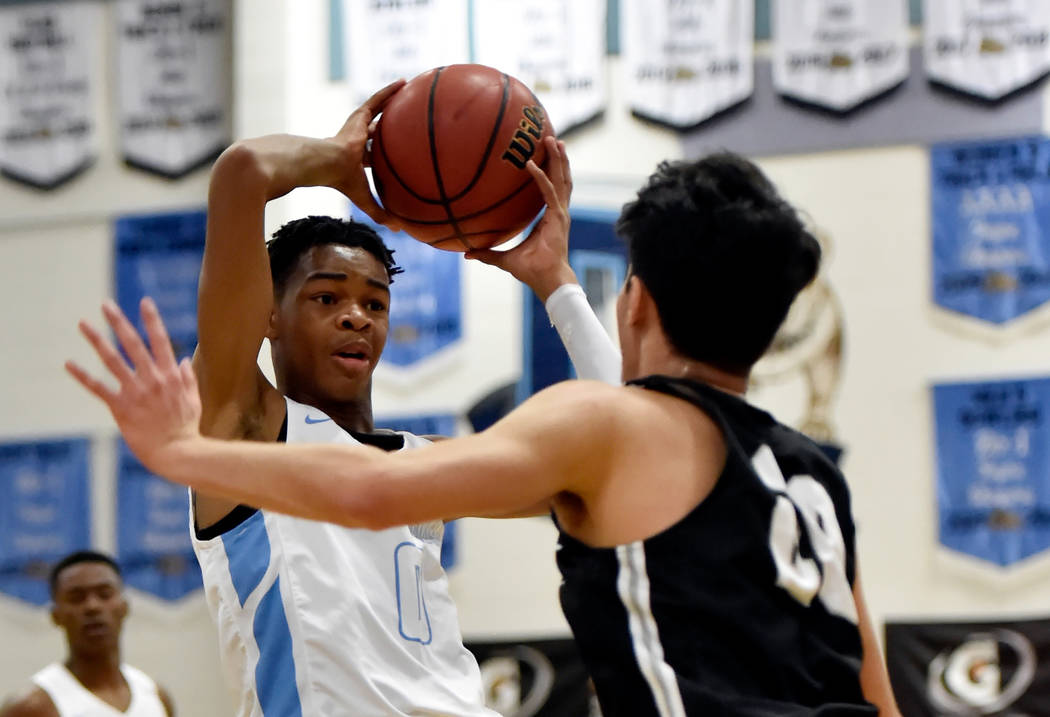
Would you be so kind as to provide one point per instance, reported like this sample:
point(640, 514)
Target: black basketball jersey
point(745, 606)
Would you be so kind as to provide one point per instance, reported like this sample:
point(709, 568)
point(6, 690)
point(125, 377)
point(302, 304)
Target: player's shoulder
point(33, 701)
point(571, 399)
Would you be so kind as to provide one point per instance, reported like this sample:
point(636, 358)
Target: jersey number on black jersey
point(824, 575)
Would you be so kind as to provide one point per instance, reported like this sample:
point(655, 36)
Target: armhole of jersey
point(242, 512)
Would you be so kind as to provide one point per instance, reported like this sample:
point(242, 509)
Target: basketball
point(449, 154)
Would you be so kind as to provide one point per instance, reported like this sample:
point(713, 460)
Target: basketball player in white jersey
point(88, 604)
point(313, 619)
point(707, 551)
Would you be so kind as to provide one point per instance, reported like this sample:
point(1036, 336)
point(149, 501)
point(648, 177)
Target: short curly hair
point(297, 237)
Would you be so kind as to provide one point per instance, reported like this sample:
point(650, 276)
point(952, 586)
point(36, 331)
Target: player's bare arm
point(874, 680)
point(34, 703)
point(158, 408)
point(590, 433)
point(236, 292)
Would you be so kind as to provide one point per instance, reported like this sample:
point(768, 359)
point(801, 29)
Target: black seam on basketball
point(465, 217)
point(492, 139)
point(434, 160)
point(450, 237)
point(393, 172)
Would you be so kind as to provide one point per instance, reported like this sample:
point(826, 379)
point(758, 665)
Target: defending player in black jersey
point(707, 551)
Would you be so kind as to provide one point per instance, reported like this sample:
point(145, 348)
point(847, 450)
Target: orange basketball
point(449, 154)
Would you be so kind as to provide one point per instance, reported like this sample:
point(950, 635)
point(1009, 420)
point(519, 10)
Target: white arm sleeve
point(591, 350)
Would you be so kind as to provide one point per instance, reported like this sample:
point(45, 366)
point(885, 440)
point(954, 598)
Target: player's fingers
point(111, 358)
point(488, 256)
point(93, 385)
point(566, 172)
point(544, 183)
point(159, 341)
point(376, 213)
point(374, 103)
point(129, 338)
point(189, 376)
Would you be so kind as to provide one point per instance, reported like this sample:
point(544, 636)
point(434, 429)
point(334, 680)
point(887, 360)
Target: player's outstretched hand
point(542, 260)
point(353, 138)
point(156, 405)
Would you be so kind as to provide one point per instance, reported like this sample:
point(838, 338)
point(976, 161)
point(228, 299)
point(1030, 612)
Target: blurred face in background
point(90, 607)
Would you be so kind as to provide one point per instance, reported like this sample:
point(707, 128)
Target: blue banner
point(45, 512)
point(153, 539)
point(993, 468)
point(159, 255)
point(426, 305)
point(442, 424)
point(991, 227)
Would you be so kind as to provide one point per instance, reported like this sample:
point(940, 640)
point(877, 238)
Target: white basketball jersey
point(320, 620)
point(72, 699)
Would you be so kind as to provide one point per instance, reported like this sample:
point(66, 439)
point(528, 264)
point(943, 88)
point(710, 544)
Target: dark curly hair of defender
point(297, 237)
point(721, 253)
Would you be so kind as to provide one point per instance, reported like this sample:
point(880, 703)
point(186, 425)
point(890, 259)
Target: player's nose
point(354, 318)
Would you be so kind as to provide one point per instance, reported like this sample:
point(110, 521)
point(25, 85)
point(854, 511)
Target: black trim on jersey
point(385, 440)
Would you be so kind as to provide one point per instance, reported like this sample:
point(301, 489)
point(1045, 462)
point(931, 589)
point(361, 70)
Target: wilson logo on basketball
point(523, 143)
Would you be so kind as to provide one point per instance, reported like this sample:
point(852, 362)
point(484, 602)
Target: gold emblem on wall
point(808, 346)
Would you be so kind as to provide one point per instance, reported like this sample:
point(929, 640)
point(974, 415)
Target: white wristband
point(590, 349)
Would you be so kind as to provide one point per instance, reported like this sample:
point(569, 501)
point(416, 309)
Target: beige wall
point(55, 267)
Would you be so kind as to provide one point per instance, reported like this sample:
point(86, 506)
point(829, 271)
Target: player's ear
point(640, 304)
point(271, 326)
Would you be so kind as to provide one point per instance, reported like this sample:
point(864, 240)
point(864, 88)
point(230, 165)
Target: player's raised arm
point(541, 262)
point(236, 292)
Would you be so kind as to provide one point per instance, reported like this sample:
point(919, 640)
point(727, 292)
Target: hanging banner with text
point(686, 60)
point(173, 70)
point(49, 60)
point(539, 678)
point(153, 538)
point(993, 468)
point(966, 669)
point(987, 48)
point(556, 47)
point(838, 55)
point(45, 512)
point(160, 256)
point(426, 304)
point(384, 41)
point(990, 219)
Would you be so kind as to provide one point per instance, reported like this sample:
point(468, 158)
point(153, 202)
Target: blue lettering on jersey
point(413, 621)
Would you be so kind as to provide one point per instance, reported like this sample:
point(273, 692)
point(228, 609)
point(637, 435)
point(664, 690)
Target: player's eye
point(325, 299)
point(376, 305)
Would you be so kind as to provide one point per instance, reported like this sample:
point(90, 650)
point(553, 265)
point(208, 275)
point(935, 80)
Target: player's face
point(89, 606)
point(330, 325)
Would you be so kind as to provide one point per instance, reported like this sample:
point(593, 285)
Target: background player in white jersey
point(88, 604)
point(707, 550)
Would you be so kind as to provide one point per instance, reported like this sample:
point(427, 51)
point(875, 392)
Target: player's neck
point(659, 358)
point(96, 670)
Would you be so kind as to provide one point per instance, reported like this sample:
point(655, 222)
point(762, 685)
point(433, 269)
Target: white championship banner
point(987, 48)
point(686, 60)
point(556, 47)
point(173, 86)
point(839, 54)
point(49, 67)
point(385, 40)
